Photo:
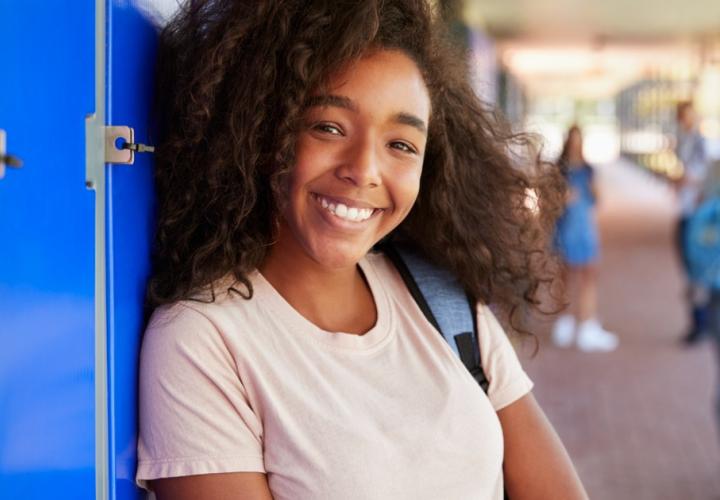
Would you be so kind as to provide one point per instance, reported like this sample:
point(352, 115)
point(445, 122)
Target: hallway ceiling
point(598, 20)
point(595, 47)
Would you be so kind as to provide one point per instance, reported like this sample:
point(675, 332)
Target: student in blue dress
point(577, 242)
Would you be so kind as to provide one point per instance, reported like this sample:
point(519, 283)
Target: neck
point(574, 158)
point(334, 299)
point(301, 275)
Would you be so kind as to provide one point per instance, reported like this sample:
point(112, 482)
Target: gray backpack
point(444, 303)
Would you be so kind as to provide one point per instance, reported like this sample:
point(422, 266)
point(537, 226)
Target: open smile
point(346, 210)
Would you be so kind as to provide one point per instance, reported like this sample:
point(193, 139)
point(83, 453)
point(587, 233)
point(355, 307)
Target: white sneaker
point(593, 337)
point(563, 331)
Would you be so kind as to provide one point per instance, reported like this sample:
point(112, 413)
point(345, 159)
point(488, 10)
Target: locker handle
point(6, 159)
point(11, 161)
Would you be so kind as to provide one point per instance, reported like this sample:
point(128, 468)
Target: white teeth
point(343, 212)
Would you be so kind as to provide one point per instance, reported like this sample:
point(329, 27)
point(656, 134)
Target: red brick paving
point(638, 422)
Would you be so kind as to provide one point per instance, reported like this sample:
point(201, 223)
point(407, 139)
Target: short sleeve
point(195, 417)
point(508, 382)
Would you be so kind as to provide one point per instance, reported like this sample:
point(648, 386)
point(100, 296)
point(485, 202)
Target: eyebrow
point(331, 100)
point(346, 103)
point(412, 120)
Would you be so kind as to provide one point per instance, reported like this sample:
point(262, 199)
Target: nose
point(361, 164)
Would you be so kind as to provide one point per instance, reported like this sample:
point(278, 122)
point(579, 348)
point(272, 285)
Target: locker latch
point(120, 145)
point(7, 160)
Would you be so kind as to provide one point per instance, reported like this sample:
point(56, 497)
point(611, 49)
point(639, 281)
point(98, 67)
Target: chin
point(337, 257)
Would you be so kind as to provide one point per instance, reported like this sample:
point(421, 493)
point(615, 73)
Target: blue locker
point(75, 238)
point(132, 37)
point(47, 439)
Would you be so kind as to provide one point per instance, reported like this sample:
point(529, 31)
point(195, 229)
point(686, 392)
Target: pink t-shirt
point(251, 385)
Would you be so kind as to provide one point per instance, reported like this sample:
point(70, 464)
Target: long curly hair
point(233, 79)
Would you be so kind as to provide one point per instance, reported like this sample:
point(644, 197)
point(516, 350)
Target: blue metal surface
point(47, 433)
point(46, 252)
point(131, 59)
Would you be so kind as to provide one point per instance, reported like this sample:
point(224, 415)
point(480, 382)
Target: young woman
point(285, 359)
point(577, 242)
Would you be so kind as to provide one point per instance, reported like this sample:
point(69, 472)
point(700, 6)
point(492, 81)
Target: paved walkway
point(638, 422)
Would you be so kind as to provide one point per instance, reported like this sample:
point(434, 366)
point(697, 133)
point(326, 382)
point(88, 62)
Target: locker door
point(75, 239)
point(132, 37)
point(47, 439)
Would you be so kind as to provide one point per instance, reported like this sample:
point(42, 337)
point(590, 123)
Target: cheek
point(300, 175)
point(312, 160)
point(407, 189)
point(304, 154)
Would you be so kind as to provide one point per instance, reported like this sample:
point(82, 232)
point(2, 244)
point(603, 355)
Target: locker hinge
point(120, 145)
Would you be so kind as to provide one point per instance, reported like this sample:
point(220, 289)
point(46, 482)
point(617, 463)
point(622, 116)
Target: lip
point(350, 203)
point(343, 224)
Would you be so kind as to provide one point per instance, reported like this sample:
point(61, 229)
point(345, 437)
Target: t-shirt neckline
point(374, 338)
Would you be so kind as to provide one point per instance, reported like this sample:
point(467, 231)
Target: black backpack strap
point(435, 288)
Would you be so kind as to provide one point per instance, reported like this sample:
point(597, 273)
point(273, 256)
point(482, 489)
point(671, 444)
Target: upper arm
point(224, 486)
point(536, 466)
point(196, 416)
point(508, 381)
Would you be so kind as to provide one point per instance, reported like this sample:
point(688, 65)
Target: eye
point(403, 147)
point(328, 128)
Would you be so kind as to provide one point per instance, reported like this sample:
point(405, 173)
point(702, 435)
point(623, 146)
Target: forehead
point(382, 78)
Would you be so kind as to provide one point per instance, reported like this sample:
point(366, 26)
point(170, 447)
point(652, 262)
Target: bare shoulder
point(223, 486)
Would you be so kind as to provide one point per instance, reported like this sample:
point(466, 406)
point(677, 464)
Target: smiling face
point(358, 161)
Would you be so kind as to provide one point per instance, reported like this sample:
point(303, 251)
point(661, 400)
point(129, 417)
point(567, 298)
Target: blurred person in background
point(701, 248)
point(577, 242)
point(691, 152)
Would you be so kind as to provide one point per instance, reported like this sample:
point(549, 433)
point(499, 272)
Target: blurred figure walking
point(691, 151)
point(702, 253)
point(577, 242)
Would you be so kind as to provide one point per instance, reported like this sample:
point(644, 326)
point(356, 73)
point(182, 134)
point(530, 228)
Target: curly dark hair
point(233, 79)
